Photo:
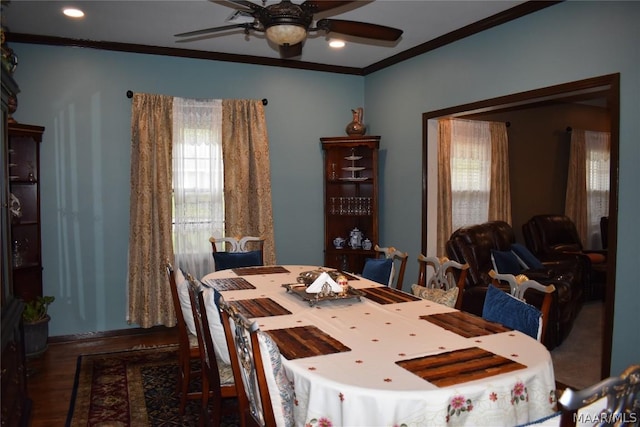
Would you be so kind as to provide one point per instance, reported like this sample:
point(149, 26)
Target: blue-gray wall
point(79, 96)
point(566, 42)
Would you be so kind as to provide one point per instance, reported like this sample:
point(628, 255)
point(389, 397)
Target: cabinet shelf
point(22, 182)
point(350, 181)
point(27, 266)
point(23, 224)
point(349, 251)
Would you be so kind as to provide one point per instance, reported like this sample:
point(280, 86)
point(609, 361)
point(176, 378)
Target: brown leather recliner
point(473, 245)
point(554, 236)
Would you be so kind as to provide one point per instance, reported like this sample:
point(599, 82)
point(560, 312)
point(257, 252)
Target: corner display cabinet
point(24, 208)
point(16, 405)
point(350, 201)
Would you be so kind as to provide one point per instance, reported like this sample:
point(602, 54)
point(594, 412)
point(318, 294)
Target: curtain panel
point(598, 184)
point(576, 194)
point(444, 186)
point(198, 181)
point(587, 196)
point(500, 183)
point(150, 235)
point(247, 173)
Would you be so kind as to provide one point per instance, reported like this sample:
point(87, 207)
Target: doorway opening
point(602, 90)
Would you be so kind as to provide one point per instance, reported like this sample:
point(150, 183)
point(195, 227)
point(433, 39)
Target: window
point(470, 172)
point(598, 163)
point(198, 182)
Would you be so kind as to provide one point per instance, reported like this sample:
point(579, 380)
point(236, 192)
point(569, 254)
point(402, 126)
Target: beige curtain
point(500, 187)
point(247, 176)
point(575, 206)
point(150, 242)
point(444, 185)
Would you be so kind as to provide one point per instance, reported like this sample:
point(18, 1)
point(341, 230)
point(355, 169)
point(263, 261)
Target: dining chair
point(621, 408)
point(514, 315)
point(188, 349)
point(442, 286)
point(382, 269)
point(237, 252)
point(265, 394)
point(217, 376)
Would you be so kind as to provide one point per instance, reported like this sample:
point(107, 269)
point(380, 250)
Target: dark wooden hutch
point(16, 406)
point(350, 198)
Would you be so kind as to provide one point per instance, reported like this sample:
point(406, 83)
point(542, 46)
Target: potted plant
point(36, 325)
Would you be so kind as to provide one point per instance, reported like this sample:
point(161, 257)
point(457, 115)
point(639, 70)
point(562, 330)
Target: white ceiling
point(154, 23)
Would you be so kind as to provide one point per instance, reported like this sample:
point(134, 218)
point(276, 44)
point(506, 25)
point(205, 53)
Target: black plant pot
point(36, 335)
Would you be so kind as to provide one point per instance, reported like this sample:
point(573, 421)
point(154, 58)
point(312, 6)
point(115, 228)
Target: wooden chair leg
point(185, 379)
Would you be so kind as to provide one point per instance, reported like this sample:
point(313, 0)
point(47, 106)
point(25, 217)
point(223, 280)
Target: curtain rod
point(265, 101)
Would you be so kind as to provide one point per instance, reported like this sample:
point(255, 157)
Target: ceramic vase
point(356, 127)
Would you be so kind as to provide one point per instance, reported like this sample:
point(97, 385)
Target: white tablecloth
point(365, 387)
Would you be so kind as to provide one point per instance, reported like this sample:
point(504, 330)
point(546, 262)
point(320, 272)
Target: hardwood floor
point(51, 375)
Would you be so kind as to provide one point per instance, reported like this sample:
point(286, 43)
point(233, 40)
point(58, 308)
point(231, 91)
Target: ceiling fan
point(287, 24)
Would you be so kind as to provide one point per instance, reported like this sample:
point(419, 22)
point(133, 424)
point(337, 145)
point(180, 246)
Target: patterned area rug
point(135, 388)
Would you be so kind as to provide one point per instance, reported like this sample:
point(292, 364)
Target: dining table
point(377, 356)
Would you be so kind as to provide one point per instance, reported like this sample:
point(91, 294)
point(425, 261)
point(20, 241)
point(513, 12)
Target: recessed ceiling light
point(73, 13)
point(336, 44)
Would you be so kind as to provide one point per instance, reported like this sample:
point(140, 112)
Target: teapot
point(338, 242)
point(355, 238)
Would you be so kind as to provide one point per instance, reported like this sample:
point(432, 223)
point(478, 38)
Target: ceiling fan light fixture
point(283, 34)
point(336, 44)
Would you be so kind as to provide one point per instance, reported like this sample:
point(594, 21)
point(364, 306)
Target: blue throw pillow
point(528, 259)
point(505, 262)
point(503, 308)
point(226, 260)
point(378, 269)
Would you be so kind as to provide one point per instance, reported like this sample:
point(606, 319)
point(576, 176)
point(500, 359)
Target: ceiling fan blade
point(288, 51)
point(315, 6)
point(246, 26)
point(359, 29)
point(247, 4)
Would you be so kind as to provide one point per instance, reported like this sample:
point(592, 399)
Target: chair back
point(387, 268)
point(212, 393)
point(473, 244)
point(188, 348)
point(520, 284)
point(443, 277)
point(237, 252)
point(548, 234)
point(265, 395)
point(183, 333)
point(622, 407)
